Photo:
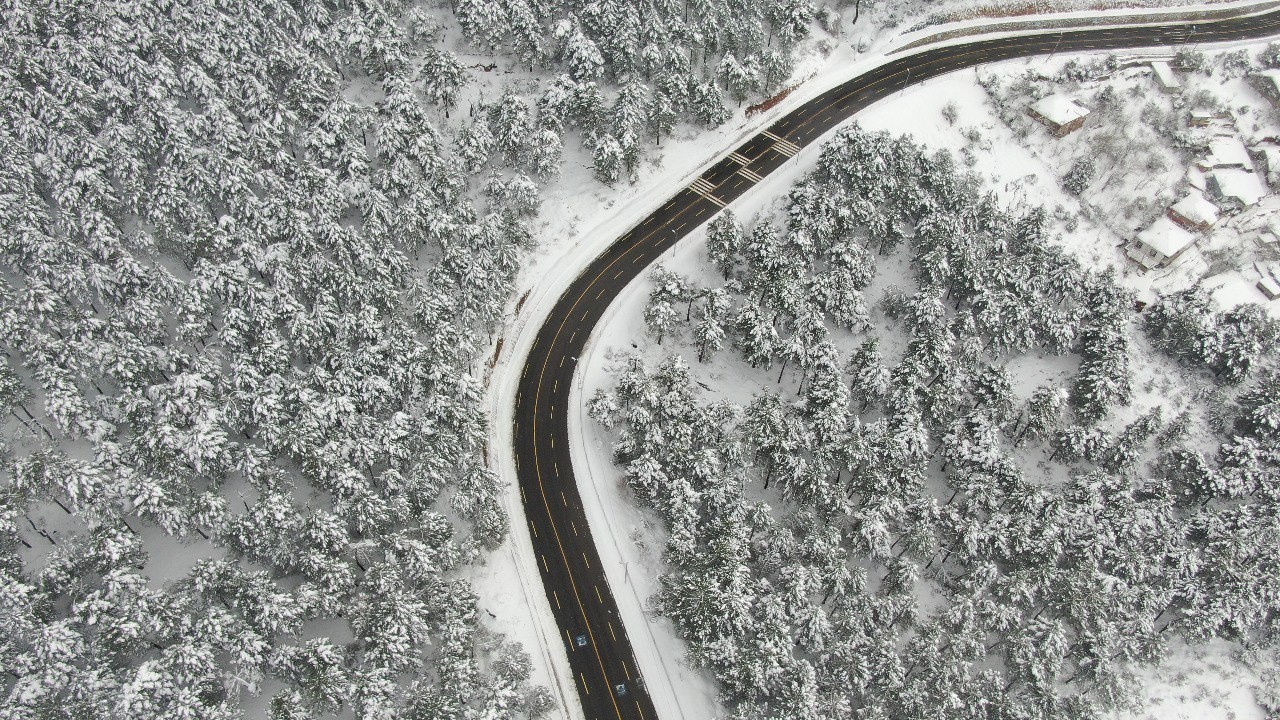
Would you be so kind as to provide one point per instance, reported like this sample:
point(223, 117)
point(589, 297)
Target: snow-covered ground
point(579, 218)
point(1201, 683)
point(1196, 682)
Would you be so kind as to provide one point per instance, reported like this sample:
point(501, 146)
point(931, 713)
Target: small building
point(1061, 115)
point(1193, 212)
point(1225, 152)
point(1207, 118)
point(1160, 244)
point(1165, 77)
point(1268, 279)
point(1232, 189)
point(1269, 287)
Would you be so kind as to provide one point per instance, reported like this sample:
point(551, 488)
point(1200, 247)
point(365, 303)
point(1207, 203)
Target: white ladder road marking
point(704, 188)
point(748, 174)
point(782, 145)
point(703, 185)
point(738, 158)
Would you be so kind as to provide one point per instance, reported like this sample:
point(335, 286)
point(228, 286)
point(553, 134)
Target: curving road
point(599, 651)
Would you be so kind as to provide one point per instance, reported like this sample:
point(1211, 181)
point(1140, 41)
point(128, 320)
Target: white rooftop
point(1269, 287)
point(1166, 237)
point(1226, 152)
point(1058, 109)
point(1165, 76)
point(1196, 208)
point(1240, 185)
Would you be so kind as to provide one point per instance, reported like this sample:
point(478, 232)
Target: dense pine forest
point(252, 255)
point(908, 521)
point(660, 62)
point(238, 312)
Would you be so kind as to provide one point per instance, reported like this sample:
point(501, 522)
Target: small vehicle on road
point(620, 689)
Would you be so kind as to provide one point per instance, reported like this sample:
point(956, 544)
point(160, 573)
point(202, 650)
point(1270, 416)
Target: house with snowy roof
point(1194, 212)
point(1232, 189)
point(1269, 281)
point(1206, 118)
point(1225, 152)
point(1160, 244)
point(1165, 77)
point(1061, 115)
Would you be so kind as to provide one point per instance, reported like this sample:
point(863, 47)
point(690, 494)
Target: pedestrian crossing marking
point(752, 176)
point(782, 145)
point(704, 188)
point(738, 158)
